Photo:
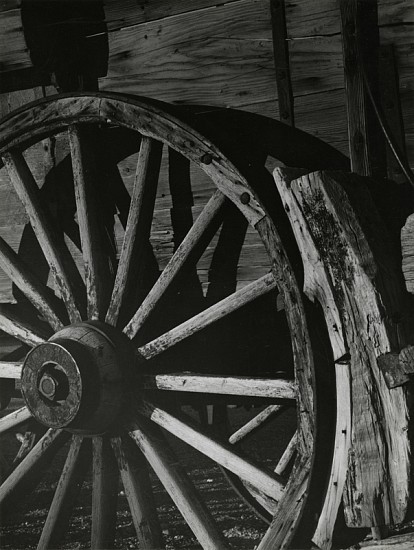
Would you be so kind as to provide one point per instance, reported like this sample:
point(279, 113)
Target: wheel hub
point(77, 380)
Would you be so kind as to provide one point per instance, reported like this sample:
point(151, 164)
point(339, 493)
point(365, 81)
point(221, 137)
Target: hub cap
point(77, 379)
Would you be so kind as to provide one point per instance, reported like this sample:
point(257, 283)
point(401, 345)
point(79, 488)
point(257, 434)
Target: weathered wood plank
point(14, 53)
point(119, 15)
point(358, 40)
point(226, 56)
point(317, 284)
point(281, 57)
point(407, 248)
point(318, 18)
point(366, 280)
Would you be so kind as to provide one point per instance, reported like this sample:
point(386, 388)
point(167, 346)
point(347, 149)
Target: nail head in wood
point(245, 198)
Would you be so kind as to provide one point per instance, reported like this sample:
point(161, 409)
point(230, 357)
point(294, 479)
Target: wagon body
point(252, 87)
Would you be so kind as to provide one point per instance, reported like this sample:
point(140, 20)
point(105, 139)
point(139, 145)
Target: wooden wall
point(213, 53)
point(220, 53)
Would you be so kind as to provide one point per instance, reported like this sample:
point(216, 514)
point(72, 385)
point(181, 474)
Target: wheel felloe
point(77, 379)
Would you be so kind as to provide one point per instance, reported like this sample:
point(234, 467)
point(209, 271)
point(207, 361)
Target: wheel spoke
point(138, 490)
point(255, 423)
point(90, 222)
point(280, 534)
point(14, 419)
point(286, 456)
point(204, 222)
point(215, 450)
point(11, 369)
point(44, 450)
point(13, 324)
point(60, 262)
point(139, 221)
point(66, 491)
point(32, 434)
point(104, 495)
point(28, 283)
point(227, 385)
point(207, 317)
point(179, 487)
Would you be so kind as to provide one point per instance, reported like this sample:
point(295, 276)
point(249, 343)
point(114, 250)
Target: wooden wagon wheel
point(98, 375)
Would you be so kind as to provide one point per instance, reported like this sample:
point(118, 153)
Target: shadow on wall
point(68, 40)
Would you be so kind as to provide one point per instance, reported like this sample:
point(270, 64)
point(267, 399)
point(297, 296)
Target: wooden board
point(224, 58)
point(316, 18)
point(127, 13)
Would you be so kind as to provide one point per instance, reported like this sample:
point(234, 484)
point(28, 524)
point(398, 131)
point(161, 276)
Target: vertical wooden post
point(281, 56)
point(390, 100)
point(360, 39)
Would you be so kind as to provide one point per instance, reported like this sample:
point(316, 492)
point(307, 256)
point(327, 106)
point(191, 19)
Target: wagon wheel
point(104, 345)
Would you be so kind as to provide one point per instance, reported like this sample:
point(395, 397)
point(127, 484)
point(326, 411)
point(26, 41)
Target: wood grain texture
point(324, 532)
point(10, 369)
point(225, 55)
point(90, 206)
point(376, 492)
point(12, 323)
point(308, 19)
point(67, 489)
point(21, 275)
point(46, 448)
point(407, 247)
point(138, 490)
point(218, 452)
point(279, 536)
point(227, 385)
point(14, 53)
point(317, 284)
point(256, 422)
point(61, 263)
point(175, 481)
point(287, 456)
point(297, 488)
point(353, 27)
point(138, 229)
point(104, 494)
point(212, 314)
point(14, 419)
point(203, 223)
point(119, 15)
point(281, 57)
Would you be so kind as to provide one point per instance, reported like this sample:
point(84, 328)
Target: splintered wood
point(407, 245)
point(350, 269)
